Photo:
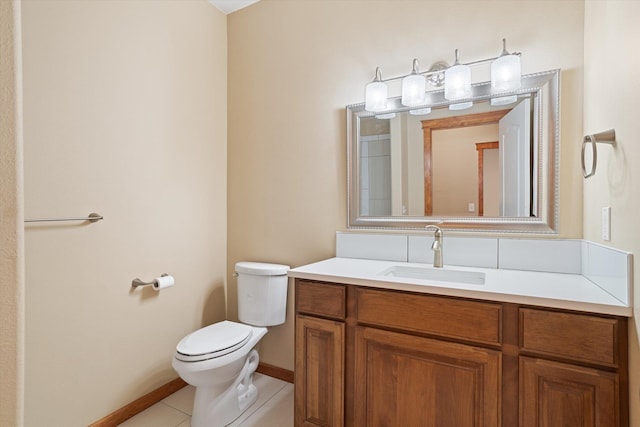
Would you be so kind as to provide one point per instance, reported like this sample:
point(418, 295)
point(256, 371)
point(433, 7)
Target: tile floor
point(274, 408)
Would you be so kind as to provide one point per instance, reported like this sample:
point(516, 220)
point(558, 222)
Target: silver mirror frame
point(546, 87)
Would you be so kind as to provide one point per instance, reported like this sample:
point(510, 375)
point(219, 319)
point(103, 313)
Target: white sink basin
point(437, 274)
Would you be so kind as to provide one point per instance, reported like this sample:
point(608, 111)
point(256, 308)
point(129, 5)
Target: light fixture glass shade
point(375, 94)
point(457, 81)
point(414, 87)
point(460, 106)
point(385, 116)
point(420, 111)
point(506, 74)
point(503, 100)
point(375, 97)
point(413, 90)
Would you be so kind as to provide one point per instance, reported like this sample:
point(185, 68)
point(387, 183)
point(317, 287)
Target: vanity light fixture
point(375, 98)
point(457, 84)
point(506, 75)
point(414, 87)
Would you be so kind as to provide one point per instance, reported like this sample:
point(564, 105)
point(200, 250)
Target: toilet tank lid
point(261, 268)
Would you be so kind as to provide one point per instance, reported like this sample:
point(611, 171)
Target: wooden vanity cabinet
point(384, 358)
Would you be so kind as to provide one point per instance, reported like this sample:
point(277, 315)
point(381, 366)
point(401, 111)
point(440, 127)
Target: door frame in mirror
point(456, 122)
point(546, 125)
point(480, 147)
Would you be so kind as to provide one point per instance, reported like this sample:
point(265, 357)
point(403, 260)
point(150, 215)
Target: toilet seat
point(213, 341)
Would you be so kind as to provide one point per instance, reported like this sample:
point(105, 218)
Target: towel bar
point(92, 217)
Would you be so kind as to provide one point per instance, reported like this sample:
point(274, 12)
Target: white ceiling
point(229, 6)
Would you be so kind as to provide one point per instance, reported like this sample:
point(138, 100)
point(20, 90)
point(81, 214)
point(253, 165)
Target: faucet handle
point(438, 230)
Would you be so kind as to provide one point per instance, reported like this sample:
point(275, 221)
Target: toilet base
point(213, 407)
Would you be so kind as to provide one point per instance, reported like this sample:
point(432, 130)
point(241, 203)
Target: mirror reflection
point(450, 163)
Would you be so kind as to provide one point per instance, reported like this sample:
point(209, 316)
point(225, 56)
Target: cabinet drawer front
point(447, 317)
point(321, 299)
point(575, 336)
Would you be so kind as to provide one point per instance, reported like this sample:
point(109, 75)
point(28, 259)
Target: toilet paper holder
point(137, 282)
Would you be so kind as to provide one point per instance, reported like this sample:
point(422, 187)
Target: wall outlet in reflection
point(472, 207)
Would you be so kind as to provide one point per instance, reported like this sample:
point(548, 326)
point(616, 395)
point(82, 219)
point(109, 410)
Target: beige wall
point(294, 65)
point(11, 216)
point(125, 115)
point(611, 89)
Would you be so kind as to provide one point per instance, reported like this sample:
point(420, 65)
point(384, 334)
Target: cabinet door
point(319, 378)
point(561, 395)
point(409, 381)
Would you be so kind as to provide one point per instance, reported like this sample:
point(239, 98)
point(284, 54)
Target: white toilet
point(220, 359)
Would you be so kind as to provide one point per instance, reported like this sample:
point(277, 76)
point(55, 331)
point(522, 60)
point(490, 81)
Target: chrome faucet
point(437, 245)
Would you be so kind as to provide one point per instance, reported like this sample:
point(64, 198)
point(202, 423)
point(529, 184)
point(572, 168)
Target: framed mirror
point(491, 168)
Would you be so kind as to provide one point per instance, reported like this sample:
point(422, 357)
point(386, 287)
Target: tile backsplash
point(551, 256)
point(608, 268)
point(387, 247)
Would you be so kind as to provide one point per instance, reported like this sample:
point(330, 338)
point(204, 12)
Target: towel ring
point(607, 137)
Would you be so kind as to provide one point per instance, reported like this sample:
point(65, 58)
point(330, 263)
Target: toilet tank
point(262, 293)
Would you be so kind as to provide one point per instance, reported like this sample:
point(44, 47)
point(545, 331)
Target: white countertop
point(555, 290)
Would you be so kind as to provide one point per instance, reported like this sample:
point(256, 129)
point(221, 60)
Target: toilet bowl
point(219, 360)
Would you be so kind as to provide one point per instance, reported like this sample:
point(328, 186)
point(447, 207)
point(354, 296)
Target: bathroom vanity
point(381, 351)
point(535, 336)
